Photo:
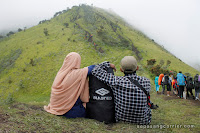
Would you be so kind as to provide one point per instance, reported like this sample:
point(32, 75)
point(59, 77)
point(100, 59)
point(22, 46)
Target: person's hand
point(113, 67)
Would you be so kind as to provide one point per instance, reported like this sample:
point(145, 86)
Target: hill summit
point(30, 59)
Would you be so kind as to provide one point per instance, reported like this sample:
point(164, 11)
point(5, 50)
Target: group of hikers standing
point(182, 85)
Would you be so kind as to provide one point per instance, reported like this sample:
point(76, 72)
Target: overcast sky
point(175, 24)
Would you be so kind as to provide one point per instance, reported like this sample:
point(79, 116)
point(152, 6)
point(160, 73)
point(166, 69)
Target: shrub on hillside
point(156, 70)
point(10, 33)
point(9, 99)
point(66, 25)
point(168, 62)
point(43, 21)
point(162, 62)
point(32, 62)
point(151, 62)
point(187, 74)
point(19, 29)
point(46, 32)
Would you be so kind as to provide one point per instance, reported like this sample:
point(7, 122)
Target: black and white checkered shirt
point(130, 101)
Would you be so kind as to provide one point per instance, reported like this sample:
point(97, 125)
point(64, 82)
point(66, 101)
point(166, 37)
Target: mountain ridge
point(30, 59)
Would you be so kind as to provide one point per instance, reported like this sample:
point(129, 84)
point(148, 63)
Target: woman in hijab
point(70, 91)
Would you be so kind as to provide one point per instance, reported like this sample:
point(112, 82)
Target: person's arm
point(100, 73)
point(90, 68)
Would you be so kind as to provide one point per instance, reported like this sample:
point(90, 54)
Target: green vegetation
point(30, 60)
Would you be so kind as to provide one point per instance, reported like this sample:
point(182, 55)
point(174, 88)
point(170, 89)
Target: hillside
point(30, 59)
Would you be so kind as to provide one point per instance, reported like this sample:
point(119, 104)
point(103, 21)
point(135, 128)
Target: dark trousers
point(178, 91)
point(181, 89)
point(76, 111)
point(189, 90)
point(163, 88)
point(168, 88)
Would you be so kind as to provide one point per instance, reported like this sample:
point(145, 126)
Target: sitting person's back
point(70, 92)
point(130, 101)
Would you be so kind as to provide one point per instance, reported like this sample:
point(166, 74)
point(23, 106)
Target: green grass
point(30, 60)
point(173, 115)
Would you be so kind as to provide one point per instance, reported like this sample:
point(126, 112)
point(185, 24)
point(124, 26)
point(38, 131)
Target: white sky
point(175, 24)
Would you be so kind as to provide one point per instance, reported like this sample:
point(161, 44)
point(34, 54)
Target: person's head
point(128, 64)
point(72, 60)
point(180, 72)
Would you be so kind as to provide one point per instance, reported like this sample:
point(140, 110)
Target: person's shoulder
point(143, 78)
point(120, 77)
point(145, 82)
point(179, 74)
point(80, 70)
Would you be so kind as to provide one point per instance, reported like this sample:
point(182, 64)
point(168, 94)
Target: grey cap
point(129, 64)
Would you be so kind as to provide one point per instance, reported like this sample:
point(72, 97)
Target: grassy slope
point(29, 84)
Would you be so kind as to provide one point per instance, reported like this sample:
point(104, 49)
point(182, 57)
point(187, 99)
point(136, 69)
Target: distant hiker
point(171, 75)
point(156, 84)
point(160, 79)
point(163, 84)
point(181, 83)
point(197, 86)
point(189, 86)
point(131, 102)
point(175, 86)
point(70, 92)
point(167, 82)
point(170, 78)
point(170, 85)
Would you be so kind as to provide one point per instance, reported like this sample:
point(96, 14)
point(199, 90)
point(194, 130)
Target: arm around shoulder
point(100, 72)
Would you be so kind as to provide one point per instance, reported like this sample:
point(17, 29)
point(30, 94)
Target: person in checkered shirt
point(130, 101)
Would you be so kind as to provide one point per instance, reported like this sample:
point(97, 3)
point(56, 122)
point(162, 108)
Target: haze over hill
point(30, 60)
point(173, 24)
point(92, 32)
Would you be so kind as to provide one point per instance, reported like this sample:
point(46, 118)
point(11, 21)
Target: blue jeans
point(78, 110)
point(157, 87)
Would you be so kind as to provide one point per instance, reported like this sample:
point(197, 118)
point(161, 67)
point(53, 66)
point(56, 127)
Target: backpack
point(160, 79)
point(180, 79)
point(190, 84)
point(197, 81)
point(166, 80)
point(101, 105)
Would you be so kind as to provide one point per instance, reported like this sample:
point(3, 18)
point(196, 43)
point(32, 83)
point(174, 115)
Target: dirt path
point(173, 96)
